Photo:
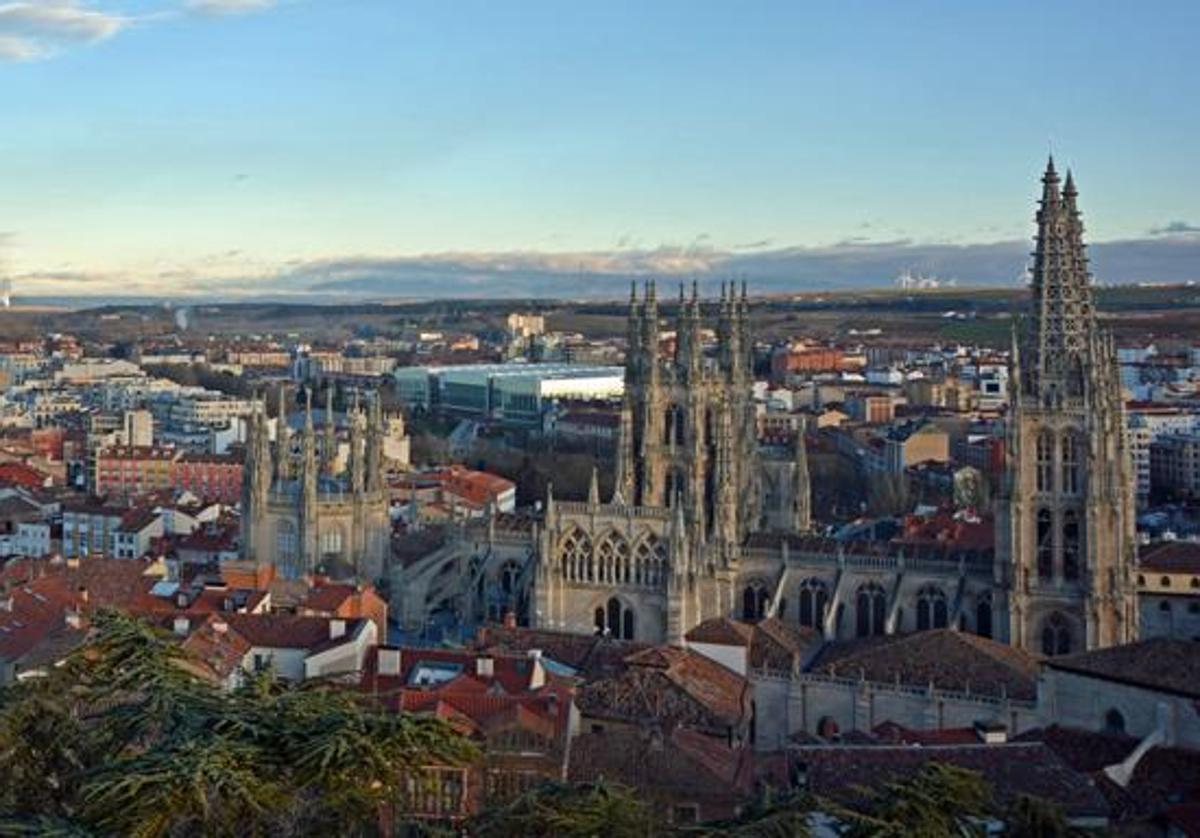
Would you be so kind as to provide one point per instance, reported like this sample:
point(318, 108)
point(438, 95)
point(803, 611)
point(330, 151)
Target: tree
point(1033, 817)
point(556, 810)
point(939, 800)
point(122, 739)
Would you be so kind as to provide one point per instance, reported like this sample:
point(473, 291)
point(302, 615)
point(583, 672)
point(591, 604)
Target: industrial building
point(515, 393)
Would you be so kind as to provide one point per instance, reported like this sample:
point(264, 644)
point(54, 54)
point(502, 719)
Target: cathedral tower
point(1064, 521)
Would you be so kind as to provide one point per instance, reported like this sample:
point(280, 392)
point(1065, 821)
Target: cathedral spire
point(283, 439)
point(329, 445)
point(1062, 294)
point(801, 486)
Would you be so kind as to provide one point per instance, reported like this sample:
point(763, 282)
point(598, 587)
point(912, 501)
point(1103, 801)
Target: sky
point(472, 147)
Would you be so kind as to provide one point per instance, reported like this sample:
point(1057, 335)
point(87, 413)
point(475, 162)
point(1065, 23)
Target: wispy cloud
point(34, 30)
point(229, 7)
point(1175, 228)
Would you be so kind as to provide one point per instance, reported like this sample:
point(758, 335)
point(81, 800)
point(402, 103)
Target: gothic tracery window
point(814, 597)
point(1056, 635)
point(1045, 545)
point(755, 599)
point(615, 619)
point(1071, 448)
point(286, 546)
point(576, 552)
point(871, 609)
point(1071, 545)
point(1045, 461)
point(931, 608)
point(983, 616)
point(648, 559)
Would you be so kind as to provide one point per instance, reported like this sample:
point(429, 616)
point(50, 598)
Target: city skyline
point(233, 147)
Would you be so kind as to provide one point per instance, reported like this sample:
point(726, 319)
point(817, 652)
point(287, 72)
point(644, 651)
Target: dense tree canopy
point(123, 740)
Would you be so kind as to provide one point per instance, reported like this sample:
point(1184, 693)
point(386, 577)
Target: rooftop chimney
point(485, 667)
point(182, 626)
point(337, 628)
point(991, 733)
point(389, 661)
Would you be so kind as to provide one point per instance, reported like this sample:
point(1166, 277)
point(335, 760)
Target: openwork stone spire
point(1062, 294)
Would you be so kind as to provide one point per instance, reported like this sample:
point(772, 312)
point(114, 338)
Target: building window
point(871, 608)
point(931, 608)
point(576, 552)
point(1071, 545)
point(1070, 463)
point(615, 620)
point(813, 600)
point(1165, 581)
point(1045, 545)
point(331, 543)
point(1056, 636)
point(1045, 462)
point(1114, 722)
point(754, 602)
point(1164, 606)
point(286, 546)
point(685, 815)
point(983, 617)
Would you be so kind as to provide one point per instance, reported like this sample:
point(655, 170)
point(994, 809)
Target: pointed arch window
point(576, 552)
point(1045, 462)
point(1045, 545)
point(287, 548)
point(983, 617)
point(1072, 448)
point(648, 558)
point(1056, 635)
point(1072, 548)
point(754, 602)
point(931, 608)
point(871, 609)
point(615, 619)
point(814, 597)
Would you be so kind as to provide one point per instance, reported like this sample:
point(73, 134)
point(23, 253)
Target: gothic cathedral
point(1065, 541)
point(305, 513)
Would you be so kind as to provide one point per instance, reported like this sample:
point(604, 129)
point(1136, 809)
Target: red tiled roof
point(288, 631)
point(674, 687)
point(1171, 557)
point(1160, 663)
point(950, 660)
point(722, 631)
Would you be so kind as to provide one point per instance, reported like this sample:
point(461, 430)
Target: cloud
point(229, 7)
point(31, 31)
point(1175, 228)
point(605, 274)
point(14, 48)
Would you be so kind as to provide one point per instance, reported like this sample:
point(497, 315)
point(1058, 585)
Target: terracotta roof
point(1163, 776)
point(950, 660)
point(722, 631)
point(216, 647)
point(1171, 557)
point(288, 631)
point(1162, 664)
point(778, 645)
point(673, 687)
point(682, 764)
point(589, 655)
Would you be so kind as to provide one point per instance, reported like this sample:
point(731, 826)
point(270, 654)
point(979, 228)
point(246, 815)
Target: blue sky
point(169, 145)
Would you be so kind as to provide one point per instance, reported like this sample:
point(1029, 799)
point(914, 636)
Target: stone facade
point(303, 513)
point(703, 524)
point(1065, 517)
